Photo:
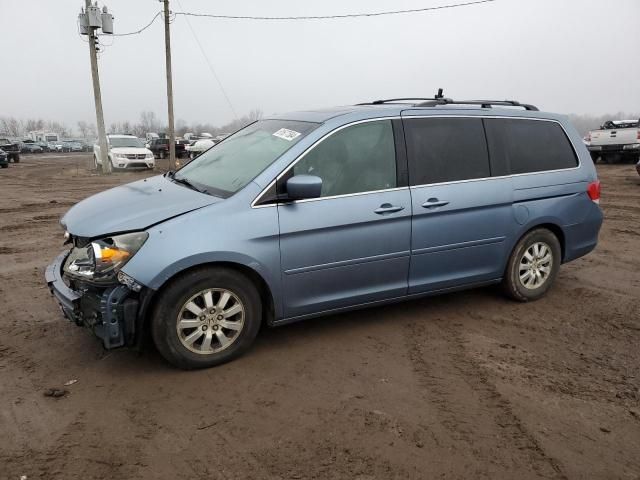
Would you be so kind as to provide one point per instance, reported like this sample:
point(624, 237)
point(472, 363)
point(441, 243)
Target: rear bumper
point(627, 148)
point(112, 313)
point(582, 238)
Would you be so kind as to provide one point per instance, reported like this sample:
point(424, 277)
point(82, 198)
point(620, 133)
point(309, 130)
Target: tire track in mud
point(469, 405)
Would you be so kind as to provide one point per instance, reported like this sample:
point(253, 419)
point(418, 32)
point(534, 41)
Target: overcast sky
point(568, 56)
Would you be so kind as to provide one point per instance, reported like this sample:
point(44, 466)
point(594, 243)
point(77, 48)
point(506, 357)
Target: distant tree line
point(148, 122)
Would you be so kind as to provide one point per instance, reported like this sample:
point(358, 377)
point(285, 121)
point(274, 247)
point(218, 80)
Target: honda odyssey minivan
point(318, 212)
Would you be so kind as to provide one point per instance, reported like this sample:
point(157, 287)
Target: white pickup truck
point(615, 140)
point(126, 152)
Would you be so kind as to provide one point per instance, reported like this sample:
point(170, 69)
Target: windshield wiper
point(185, 182)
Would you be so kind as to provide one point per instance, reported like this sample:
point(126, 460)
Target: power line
point(316, 17)
point(334, 17)
point(137, 31)
point(206, 58)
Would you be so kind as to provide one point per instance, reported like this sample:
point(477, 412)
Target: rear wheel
point(533, 266)
point(207, 317)
point(16, 158)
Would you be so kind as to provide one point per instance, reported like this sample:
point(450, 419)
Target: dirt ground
point(466, 385)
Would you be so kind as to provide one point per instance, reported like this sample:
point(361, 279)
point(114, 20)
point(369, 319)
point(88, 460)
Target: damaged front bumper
point(114, 313)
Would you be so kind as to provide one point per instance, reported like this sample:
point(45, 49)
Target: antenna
point(439, 95)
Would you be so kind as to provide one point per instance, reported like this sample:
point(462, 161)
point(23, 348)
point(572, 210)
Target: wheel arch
point(264, 288)
point(553, 227)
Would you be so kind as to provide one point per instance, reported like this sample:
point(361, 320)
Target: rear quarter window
point(526, 146)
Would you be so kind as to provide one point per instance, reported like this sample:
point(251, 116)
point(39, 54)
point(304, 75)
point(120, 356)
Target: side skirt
point(286, 321)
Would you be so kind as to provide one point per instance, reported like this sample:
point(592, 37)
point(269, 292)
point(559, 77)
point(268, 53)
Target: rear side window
point(446, 149)
point(525, 146)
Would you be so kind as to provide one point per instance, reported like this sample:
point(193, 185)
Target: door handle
point(434, 202)
point(388, 208)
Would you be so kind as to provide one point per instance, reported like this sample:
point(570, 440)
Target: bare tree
point(83, 127)
point(34, 124)
point(11, 126)
point(148, 122)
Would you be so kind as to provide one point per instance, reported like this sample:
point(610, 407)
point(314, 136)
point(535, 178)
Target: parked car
point(4, 159)
point(219, 138)
point(126, 152)
point(43, 145)
point(319, 212)
point(12, 149)
point(159, 147)
point(28, 147)
point(52, 147)
point(199, 146)
point(615, 140)
point(76, 147)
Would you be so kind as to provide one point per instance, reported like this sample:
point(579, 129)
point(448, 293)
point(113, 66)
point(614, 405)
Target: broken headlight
point(102, 259)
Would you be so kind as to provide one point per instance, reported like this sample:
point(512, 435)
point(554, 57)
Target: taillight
point(593, 190)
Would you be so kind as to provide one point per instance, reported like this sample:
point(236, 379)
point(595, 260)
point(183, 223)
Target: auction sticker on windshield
point(287, 134)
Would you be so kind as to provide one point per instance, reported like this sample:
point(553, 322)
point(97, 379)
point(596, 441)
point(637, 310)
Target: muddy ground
point(467, 385)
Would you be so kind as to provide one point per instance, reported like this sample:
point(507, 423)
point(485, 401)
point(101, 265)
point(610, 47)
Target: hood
point(130, 150)
point(134, 206)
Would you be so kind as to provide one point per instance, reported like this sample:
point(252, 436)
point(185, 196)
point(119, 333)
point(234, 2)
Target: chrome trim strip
point(457, 246)
point(396, 117)
point(346, 263)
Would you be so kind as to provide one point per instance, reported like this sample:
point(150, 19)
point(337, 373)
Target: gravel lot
point(467, 385)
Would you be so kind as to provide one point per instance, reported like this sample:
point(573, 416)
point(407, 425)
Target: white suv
point(125, 151)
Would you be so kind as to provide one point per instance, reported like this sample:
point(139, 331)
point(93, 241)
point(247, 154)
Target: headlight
point(149, 155)
point(121, 155)
point(102, 259)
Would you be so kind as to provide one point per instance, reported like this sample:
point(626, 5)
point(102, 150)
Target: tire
point(5, 165)
point(95, 163)
point(16, 158)
point(532, 287)
point(171, 341)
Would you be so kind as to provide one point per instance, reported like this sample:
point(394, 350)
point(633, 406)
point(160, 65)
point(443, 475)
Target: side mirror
point(300, 187)
point(147, 145)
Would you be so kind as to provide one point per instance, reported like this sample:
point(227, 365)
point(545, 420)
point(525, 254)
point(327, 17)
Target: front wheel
point(533, 266)
point(206, 317)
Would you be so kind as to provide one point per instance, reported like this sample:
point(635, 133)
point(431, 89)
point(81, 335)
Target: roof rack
point(482, 103)
point(439, 99)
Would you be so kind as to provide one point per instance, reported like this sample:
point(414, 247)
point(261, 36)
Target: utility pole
point(90, 21)
point(167, 51)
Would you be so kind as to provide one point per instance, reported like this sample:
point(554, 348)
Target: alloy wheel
point(210, 321)
point(535, 265)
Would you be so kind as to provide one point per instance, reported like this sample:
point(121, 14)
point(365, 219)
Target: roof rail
point(440, 99)
point(482, 103)
point(392, 100)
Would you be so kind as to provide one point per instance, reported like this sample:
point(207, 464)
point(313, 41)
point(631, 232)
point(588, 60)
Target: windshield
point(126, 142)
point(233, 163)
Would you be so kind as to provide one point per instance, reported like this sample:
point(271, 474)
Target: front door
point(351, 245)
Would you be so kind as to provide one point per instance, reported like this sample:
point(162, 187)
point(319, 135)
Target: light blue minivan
point(318, 212)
